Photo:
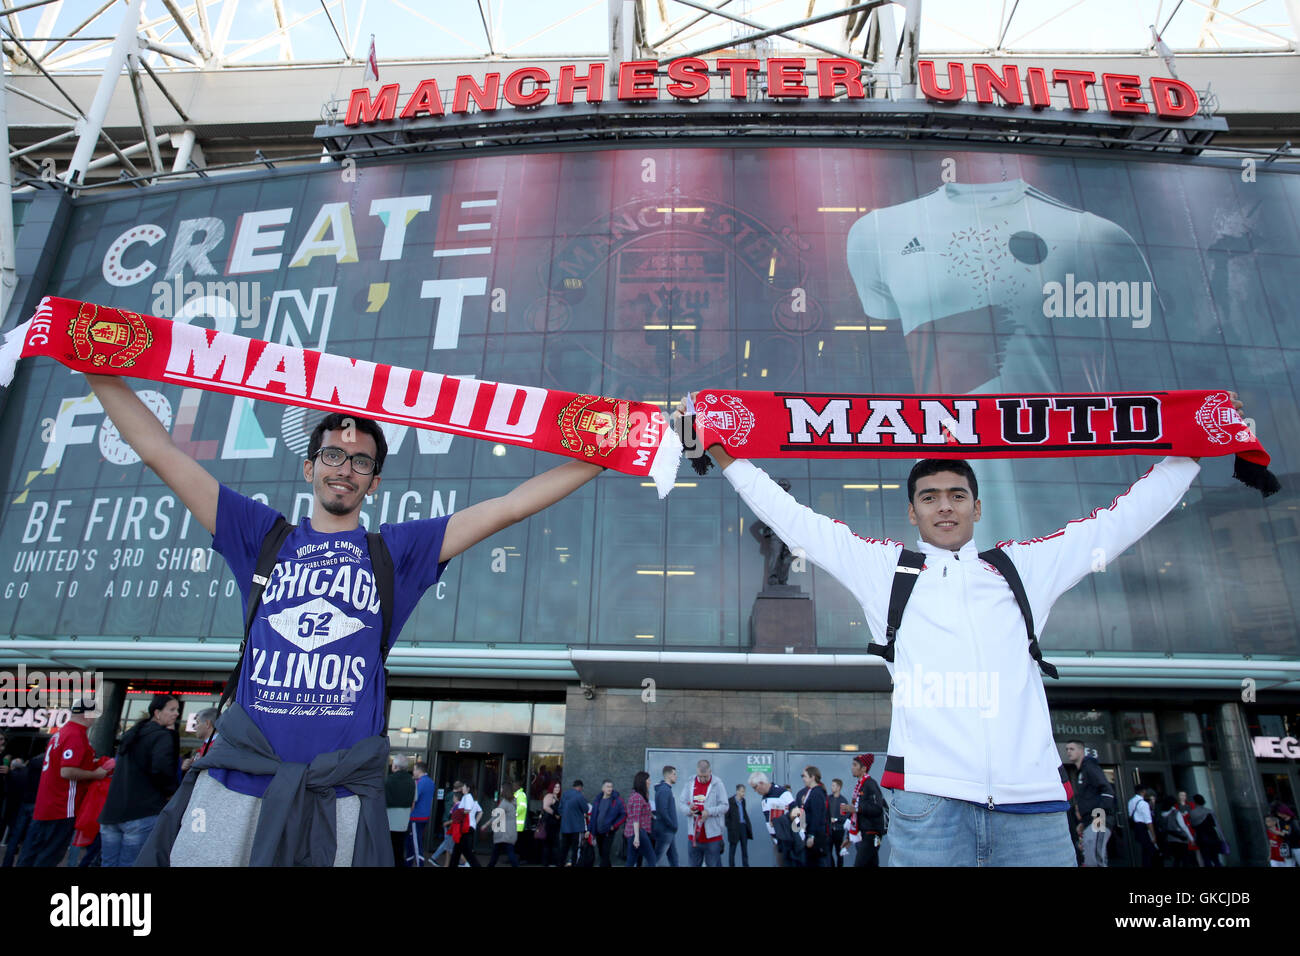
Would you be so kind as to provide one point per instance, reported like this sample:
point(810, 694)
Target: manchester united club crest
point(110, 337)
point(726, 416)
point(1217, 416)
point(593, 425)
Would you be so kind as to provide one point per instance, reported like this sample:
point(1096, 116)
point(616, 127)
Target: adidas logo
point(913, 246)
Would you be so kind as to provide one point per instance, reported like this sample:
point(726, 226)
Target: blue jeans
point(925, 830)
point(122, 841)
point(46, 842)
point(706, 854)
point(17, 832)
point(643, 855)
point(665, 845)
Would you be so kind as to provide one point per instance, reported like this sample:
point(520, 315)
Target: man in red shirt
point(64, 782)
point(704, 803)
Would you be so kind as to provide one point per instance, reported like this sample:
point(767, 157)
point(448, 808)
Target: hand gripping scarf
point(847, 425)
point(630, 437)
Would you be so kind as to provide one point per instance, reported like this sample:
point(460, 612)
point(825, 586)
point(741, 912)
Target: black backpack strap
point(905, 575)
point(1000, 560)
point(381, 561)
point(271, 545)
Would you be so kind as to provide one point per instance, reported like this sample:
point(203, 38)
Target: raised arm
point(828, 543)
point(468, 527)
point(1052, 565)
point(196, 488)
point(860, 564)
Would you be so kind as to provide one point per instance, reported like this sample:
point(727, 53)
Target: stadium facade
point(641, 248)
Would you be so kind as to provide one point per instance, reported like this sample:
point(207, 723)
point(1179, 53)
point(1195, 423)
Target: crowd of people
point(813, 826)
point(68, 803)
point(1167, 830)
point(94, 810)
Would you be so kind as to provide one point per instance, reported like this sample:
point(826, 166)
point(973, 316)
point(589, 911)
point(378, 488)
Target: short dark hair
point(669, 768)
point(421, 766)
point(576, 783)
point(1198, 800)
point(157, 703)
point(1079, 742)
point(932, 466)
point(337, 421)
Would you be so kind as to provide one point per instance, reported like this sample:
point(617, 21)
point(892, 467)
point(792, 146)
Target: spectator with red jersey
point(69, 760)
point(703, 802)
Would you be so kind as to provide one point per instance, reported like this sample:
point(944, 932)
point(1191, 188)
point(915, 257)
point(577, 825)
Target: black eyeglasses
point(335, 457)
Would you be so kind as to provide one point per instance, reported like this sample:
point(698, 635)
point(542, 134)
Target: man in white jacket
point(975, 775)
point(703, 802)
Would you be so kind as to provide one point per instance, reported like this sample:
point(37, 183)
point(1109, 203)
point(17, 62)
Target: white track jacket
point(970, 718)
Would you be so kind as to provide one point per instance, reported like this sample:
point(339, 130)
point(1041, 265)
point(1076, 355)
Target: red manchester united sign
point(689, 79)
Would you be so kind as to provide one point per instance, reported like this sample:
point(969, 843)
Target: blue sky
point(410, 29)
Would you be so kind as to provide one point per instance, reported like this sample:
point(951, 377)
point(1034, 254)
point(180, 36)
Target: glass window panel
point(548, 719)
point(484, 717)
point(409, 713)
point(545, 770)
point(1138, 725)
point(490, 602)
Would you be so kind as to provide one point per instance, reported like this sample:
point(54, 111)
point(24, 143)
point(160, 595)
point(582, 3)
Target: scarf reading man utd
point(818, 425)
point(634, 437)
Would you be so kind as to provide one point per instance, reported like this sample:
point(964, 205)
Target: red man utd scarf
point(820, 425)
point(631, 437)
point(634, 437)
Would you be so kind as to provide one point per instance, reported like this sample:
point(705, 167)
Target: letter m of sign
point(804, 422)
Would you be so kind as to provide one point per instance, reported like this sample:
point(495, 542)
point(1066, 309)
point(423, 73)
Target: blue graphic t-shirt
point(313, 676)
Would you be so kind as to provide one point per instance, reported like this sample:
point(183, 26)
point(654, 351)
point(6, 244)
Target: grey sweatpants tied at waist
point(296, 825)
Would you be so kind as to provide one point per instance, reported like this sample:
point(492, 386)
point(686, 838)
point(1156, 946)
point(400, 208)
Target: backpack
point(381, 561)
point(1170, 829)
point(909, 569)
point(872, 803)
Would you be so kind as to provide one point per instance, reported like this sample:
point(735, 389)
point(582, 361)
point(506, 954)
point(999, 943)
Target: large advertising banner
point(644, 273)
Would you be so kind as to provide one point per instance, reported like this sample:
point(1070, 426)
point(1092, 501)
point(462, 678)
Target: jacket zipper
point(979, 663)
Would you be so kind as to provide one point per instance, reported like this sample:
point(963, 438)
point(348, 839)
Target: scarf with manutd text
point(630, 437)
point(634, 437)
point(1194, 424)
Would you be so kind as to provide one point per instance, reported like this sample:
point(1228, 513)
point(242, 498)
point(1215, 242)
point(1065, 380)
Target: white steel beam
point(909, 43)
point(8, 262)
point(122, 46)
point(199, 46)
point(45, 28)
point(72, 34)
point(785, 30)
point(142, 107)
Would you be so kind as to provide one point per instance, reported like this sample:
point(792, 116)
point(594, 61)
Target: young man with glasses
point(309, 713)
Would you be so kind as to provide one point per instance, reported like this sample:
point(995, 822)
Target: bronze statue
point(776, 556)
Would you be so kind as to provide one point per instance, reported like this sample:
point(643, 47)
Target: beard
point(338, 508)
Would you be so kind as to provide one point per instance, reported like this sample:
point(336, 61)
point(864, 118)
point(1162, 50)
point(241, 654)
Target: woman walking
point(636, 831)
point(144, 779)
